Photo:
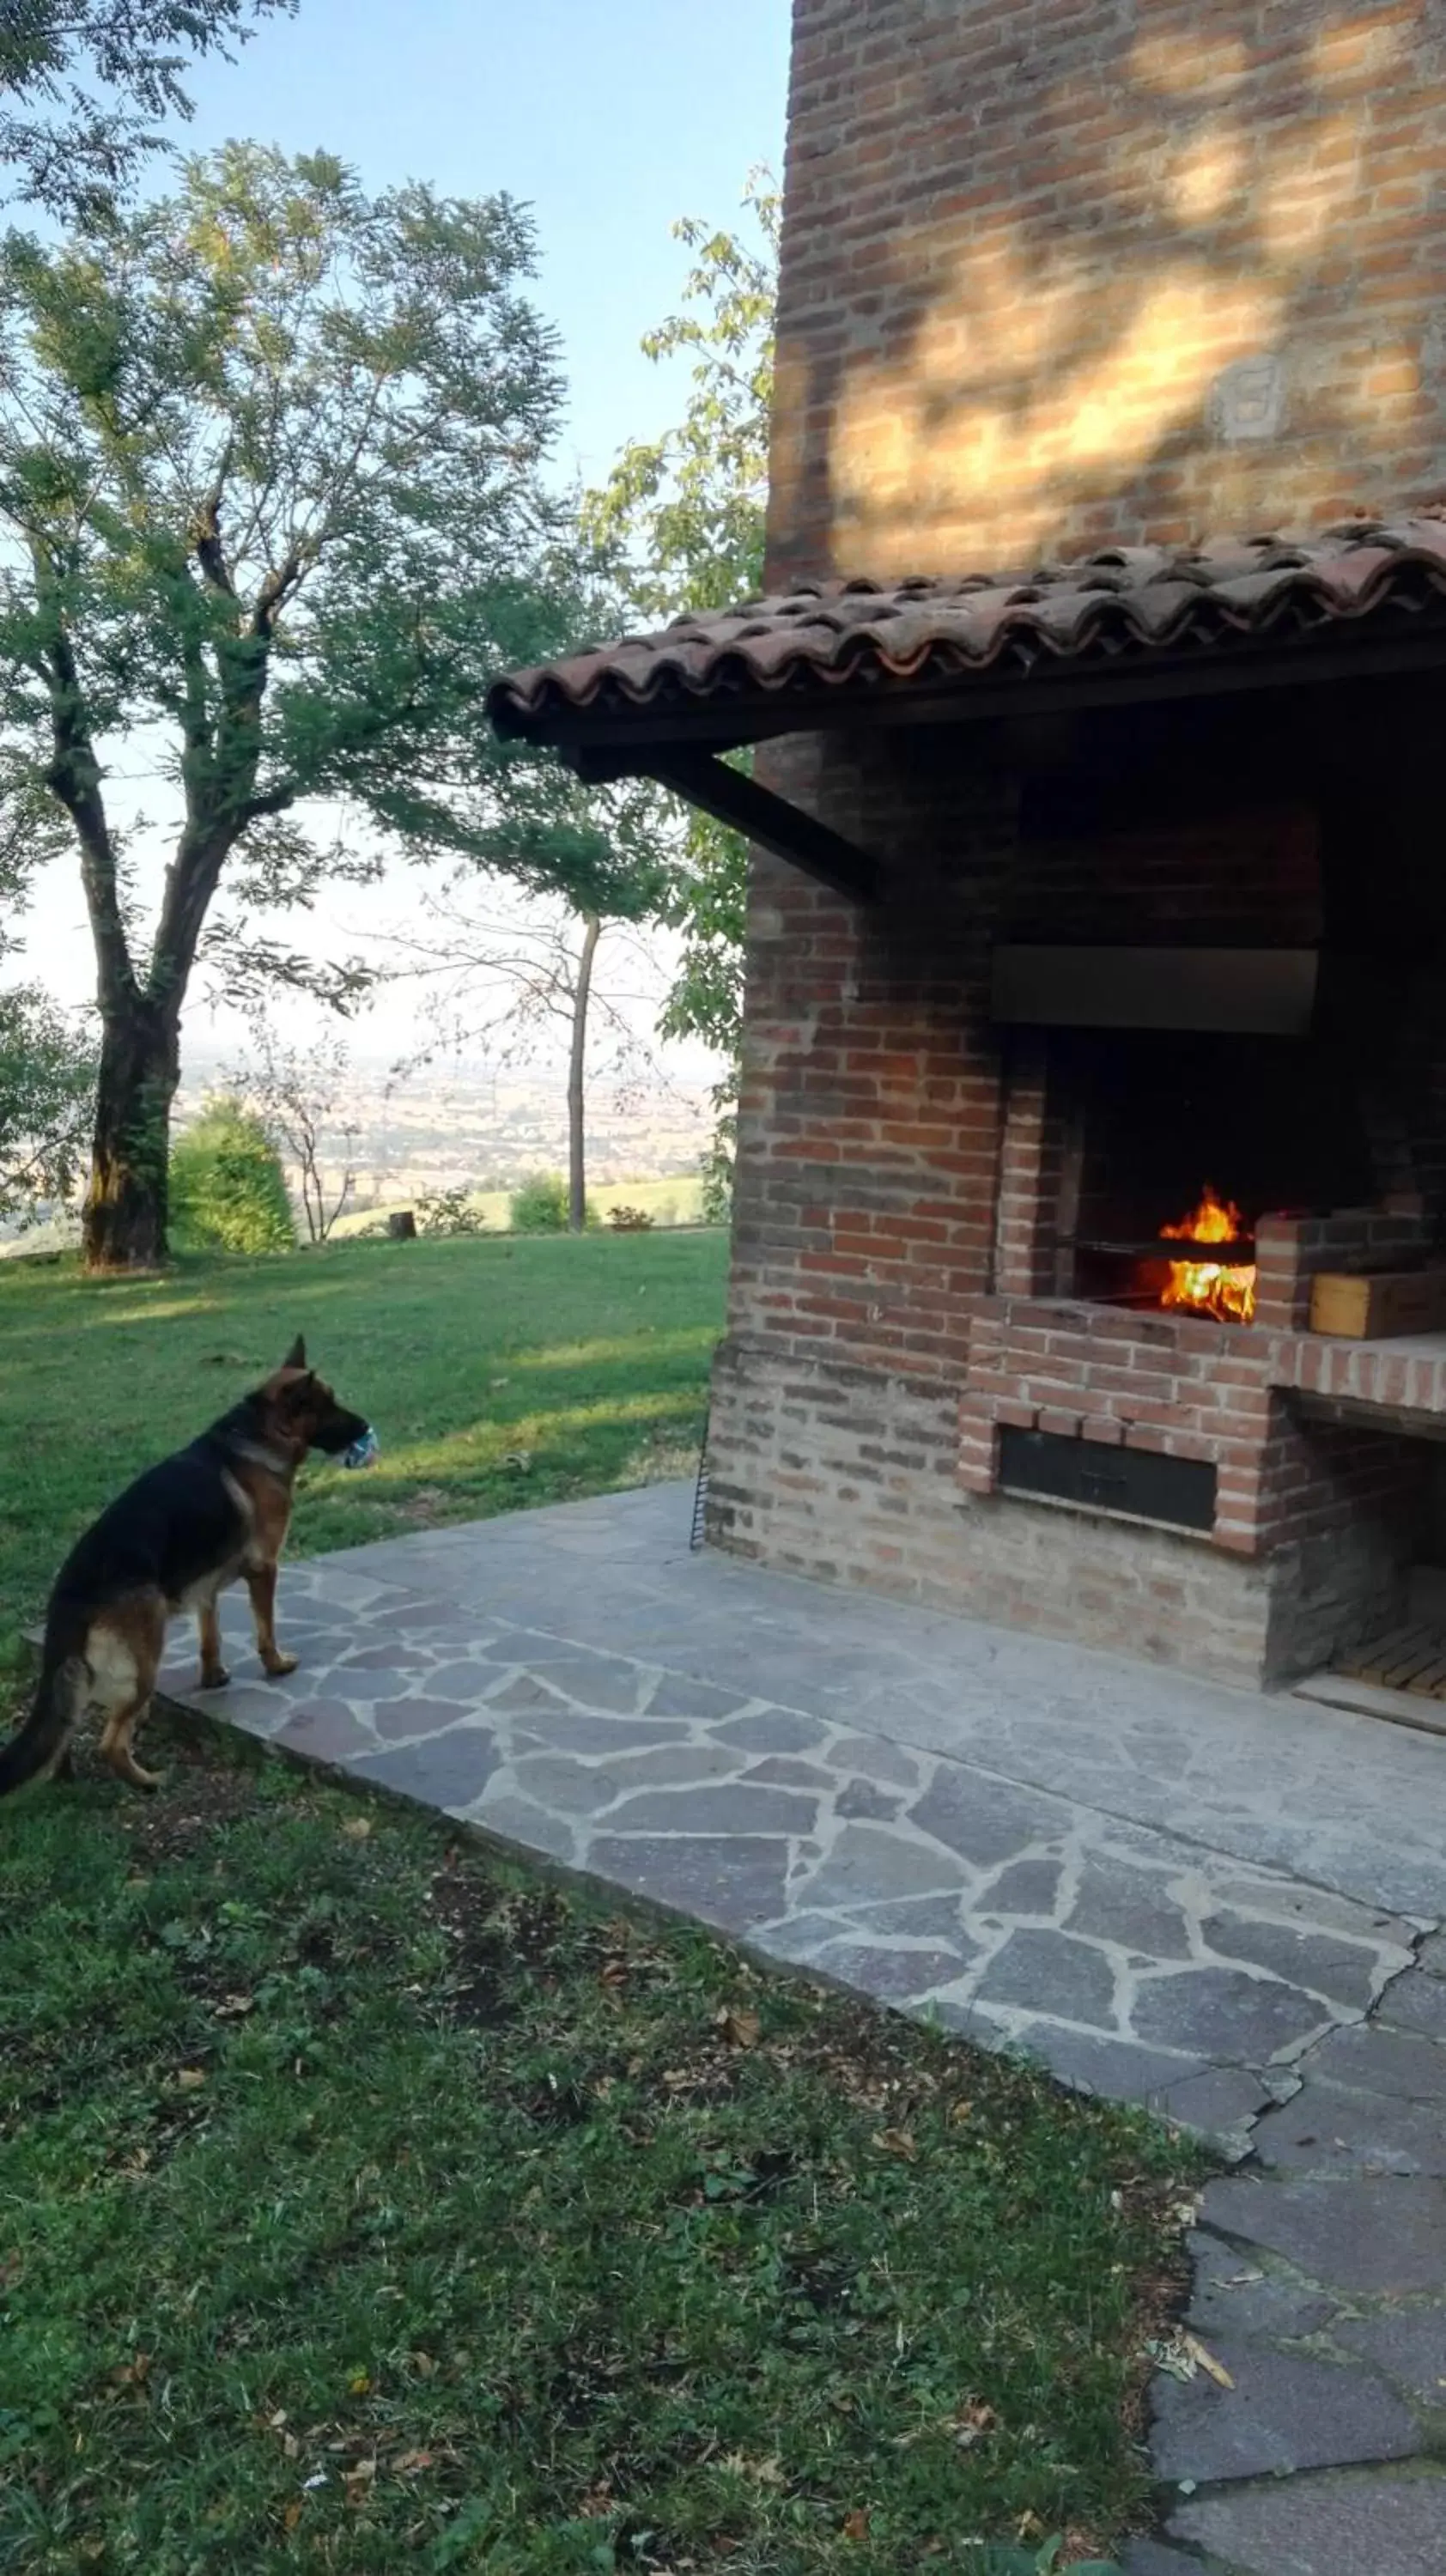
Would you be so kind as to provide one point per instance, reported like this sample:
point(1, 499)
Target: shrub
point(630, 1220)
point(448, 1212)
point(228, 1190)
point(716, 1169)
point(539, 1205)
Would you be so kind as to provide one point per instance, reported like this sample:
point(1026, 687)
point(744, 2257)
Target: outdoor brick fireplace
point(954, 1369)
point(1097, 939)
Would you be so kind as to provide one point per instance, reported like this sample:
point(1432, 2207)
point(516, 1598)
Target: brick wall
point(1245, 872)
point(1290, 1250)
point(869, 1113)
point(897, 1293)
point(1074, 273)
point(848, 1475)
point(1080, 272)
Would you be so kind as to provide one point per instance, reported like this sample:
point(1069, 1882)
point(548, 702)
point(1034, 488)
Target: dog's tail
point(59, 1699)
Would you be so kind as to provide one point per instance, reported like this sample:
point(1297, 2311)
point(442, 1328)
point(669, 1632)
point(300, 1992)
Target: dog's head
point(302, 1412)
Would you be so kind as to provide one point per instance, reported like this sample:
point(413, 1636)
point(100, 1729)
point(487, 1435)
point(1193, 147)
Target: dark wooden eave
point(731, 797)
point(726, 719)
point(678, 735)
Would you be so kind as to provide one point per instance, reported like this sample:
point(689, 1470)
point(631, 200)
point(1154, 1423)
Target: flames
point(1219, 1288)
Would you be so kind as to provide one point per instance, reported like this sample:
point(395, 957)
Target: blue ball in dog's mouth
point(363, 1452)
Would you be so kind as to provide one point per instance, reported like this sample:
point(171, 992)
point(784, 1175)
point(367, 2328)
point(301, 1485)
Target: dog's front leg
point(262, 1587)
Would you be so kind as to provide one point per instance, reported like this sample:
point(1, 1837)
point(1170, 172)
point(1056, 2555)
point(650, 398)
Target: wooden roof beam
point(733, 798)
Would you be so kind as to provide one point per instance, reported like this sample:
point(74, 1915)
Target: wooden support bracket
point(733, 798)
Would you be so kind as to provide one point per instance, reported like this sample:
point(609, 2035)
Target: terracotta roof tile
point(828, 634)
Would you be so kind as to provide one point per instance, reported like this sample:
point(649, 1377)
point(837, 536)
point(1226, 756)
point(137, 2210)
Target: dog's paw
point(214, 1680)
point(278, 1666)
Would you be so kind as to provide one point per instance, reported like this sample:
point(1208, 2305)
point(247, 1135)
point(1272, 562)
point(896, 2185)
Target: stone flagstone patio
point(1225, 1906)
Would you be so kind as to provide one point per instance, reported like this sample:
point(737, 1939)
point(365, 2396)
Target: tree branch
point(210, 553)
point(74, 779)
point(275, 590)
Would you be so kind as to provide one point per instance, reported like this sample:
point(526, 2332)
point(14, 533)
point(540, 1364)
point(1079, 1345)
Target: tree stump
point(401, 1226)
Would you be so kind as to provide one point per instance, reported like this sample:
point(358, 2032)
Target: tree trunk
point(577, 1079)
point(125, 1207)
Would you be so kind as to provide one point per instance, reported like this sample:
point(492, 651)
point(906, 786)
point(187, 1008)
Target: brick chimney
point(1069, 273)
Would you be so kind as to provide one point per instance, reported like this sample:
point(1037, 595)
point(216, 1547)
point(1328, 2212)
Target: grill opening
point(1095, 1476)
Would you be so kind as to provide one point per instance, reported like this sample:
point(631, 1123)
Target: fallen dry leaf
point(740, 2029)
point(856, 2524)
point(1207, 2361)
point(190, 2079)
point(360, 2383)
point(235, 2007)
point(292, 2515)
point(896, 2142)
point(357, 1828)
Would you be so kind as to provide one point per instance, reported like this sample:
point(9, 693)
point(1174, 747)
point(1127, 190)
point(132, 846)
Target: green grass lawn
point(498, 1374)
point(365, 2201)
point(368, 2201)
point(677, 1201)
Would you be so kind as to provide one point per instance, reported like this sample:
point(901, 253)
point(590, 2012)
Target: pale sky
point(610, 123)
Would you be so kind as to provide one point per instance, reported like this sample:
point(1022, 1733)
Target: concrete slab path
point(1228, 1907)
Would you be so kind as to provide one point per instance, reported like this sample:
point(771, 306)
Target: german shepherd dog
point(172, 1542)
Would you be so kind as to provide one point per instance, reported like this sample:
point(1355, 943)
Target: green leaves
point(62, 144)
point(227, 1188)
point(684, 513)
point(681, 521)
point(268, 483)
point(47, 1086)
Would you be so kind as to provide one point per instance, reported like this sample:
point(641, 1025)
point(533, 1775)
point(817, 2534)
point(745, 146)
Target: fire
point(1211, 1287)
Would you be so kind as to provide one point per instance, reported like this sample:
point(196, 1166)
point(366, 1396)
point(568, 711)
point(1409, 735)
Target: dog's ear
point(298, 1392)
point(296, 1356)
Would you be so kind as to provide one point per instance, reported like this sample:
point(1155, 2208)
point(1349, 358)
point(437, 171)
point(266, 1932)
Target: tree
point(69, 146)
point(268, 485)
point(683, 514)
point(47, 1090)
point(682, 519)
point(298, 1094)
point(505, 981)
